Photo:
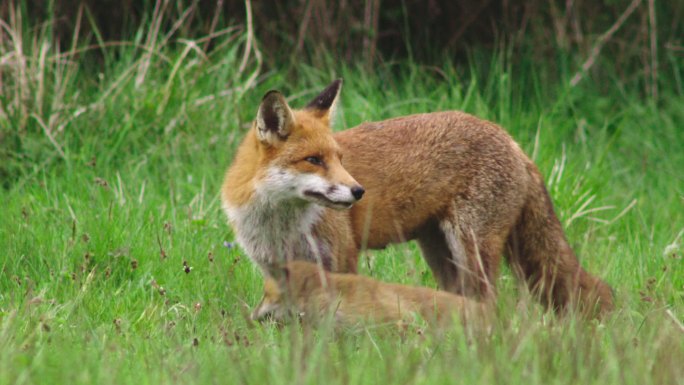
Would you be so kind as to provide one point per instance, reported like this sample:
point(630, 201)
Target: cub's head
point(274, 305)
point(299, 155)
point(287, 290)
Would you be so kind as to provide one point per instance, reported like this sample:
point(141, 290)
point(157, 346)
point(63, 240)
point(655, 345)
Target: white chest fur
point(271, 231)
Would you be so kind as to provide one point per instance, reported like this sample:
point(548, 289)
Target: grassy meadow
point(117, 265)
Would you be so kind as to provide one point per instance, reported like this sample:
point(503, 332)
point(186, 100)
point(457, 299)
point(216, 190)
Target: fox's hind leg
point(438, 255)
point(461, 261)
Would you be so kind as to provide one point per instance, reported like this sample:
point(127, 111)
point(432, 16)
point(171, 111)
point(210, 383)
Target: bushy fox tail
point(538, 251)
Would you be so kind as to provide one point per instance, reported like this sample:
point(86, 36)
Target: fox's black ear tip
point(270, 93)
point(335, 84)
point(327, 97)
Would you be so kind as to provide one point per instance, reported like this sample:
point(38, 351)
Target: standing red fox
point(457, 184)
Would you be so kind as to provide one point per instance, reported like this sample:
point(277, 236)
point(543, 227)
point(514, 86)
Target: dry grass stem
point(602, 40)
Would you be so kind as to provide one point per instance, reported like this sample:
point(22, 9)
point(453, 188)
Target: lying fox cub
point(303, 288)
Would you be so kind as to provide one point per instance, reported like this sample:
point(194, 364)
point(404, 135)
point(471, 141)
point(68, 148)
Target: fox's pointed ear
point(274, 119)
point(325, 104)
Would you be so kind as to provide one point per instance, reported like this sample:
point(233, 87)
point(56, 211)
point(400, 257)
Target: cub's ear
point(278, 271)
point(274, 120)
point(325, 104)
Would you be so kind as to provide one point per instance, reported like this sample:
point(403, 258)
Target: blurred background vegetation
point(636, 37)
point(53, 52)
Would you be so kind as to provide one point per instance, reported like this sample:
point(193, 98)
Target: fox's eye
point(315, 160)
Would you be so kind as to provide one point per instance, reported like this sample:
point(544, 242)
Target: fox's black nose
point(357, 192)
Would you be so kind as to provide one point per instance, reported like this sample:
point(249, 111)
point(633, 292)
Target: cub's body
point(304, 289)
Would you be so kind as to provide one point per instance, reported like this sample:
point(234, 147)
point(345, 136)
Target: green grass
point(97, 228)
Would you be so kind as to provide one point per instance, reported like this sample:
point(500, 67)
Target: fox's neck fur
point(272, 230)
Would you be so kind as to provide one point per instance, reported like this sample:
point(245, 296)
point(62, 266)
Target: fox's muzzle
point(357, 192)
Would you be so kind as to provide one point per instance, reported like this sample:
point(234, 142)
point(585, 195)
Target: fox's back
point(415, 167)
